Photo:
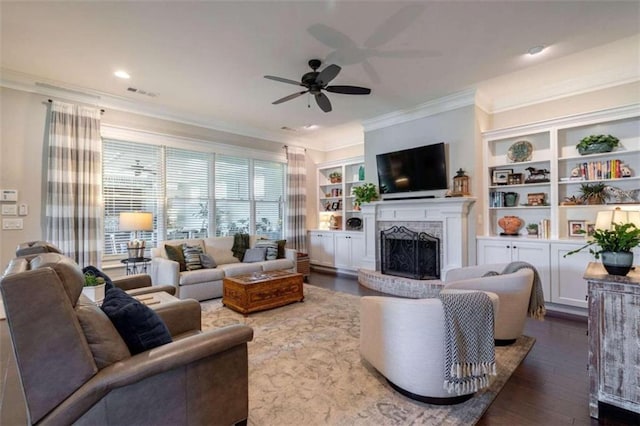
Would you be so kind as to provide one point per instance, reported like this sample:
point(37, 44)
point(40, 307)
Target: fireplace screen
point(409, 254)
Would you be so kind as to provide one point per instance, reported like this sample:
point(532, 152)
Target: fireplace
point(409, 254)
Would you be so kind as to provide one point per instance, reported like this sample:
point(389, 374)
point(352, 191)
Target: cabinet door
point(491, 251)
point(342, 251)
point(357, 250)
point(321, 248)
point(567, 285)
point(538, 255)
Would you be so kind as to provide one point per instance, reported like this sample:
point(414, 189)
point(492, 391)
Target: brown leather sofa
point(199, 378)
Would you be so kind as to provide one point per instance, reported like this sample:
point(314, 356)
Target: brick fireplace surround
point(444, 218)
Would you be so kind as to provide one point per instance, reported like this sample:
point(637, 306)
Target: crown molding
point(446, 103)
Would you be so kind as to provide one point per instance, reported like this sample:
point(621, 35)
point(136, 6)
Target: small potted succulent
point(532, 229)
point(335, 177)
point(614, 246)
point(93, 287)
point(597, 143)
point(364, 193)
point(593, 193)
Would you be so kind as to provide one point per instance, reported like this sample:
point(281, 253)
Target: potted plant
point(335, 177)
point(93, 287)
point(614, 246)
point(593, 193)
point(364, 193)
point(532, 228)
point(597, 143)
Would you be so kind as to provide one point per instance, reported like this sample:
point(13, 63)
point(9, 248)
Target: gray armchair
point(69, 375)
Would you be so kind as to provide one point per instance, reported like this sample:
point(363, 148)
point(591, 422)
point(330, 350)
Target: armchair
point(199, 378)
point(404, 340)
point(514, 291)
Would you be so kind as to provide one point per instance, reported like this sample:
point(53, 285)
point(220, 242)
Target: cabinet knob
point(508, 246)
point(515, 247)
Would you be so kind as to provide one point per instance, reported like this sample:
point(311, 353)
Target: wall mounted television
point(410, 170)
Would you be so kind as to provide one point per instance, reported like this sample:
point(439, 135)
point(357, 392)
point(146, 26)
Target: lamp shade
point(605, 219)
point(136, 221)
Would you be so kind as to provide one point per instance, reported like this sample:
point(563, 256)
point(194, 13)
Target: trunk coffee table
point(262, 290)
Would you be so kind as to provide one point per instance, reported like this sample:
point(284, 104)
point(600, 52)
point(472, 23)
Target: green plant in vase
point(335, 177)
point(614, 246)
point(532, 228)
point(593, 193)
point(364, 193)
point(597, 143)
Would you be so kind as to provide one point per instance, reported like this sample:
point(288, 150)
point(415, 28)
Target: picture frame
point(501, 176)
point(335, 206)
point(576, 228)
point(591, 229)
point(514, 179)
point(536, 198)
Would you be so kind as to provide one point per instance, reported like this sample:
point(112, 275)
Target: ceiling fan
point(139, 168)
point(316, 81)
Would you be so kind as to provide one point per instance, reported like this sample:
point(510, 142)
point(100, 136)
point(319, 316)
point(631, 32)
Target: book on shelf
point(544, 228)
point(595, 170)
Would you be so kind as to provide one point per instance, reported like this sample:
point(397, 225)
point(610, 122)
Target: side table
point(136, 265)
point(302, 265)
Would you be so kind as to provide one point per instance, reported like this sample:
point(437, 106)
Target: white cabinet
point(321, 248)
point(511, 249)
point(335, 199)
point(349, 248)
point(569, 286)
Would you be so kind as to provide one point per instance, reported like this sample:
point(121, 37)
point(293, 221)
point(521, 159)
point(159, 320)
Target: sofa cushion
point(175, 253)
point(192, 257)
point(139, 326)
point(233, 269)
point(271, 248)
point(201, 276)
point(207, 261)
point(254, 255)
point(104, 341)
point(274, 265)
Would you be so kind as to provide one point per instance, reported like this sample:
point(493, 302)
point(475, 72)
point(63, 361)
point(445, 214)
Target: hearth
point(409, 254)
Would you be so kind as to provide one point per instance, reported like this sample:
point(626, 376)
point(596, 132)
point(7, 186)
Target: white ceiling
point(206, 60)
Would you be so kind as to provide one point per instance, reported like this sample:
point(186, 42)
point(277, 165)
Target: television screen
point(410, 170)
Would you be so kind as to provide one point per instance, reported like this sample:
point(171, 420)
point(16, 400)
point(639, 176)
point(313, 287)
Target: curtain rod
point(101, 110)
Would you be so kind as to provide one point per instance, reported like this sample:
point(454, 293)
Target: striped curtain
point(74, 182)
point(296, 199)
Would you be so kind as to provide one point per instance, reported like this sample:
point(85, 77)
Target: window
point(192, 194)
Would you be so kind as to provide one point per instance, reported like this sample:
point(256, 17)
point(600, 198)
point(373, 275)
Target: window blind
point(232, 195)
point(268, 184)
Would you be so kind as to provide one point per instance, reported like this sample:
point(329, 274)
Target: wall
point(458, 128)
point(22, 154)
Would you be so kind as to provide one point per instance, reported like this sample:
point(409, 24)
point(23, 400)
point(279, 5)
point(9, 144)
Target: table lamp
point(606, 218)
point(135, 222)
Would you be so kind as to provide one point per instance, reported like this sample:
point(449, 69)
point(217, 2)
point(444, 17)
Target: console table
point(614, 333)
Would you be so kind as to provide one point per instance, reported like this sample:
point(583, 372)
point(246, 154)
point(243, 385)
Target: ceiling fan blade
point(371, 72)
point(328, 74)
point(323, 102)
point(393, 26)
point(283, 80)
point(288, 98)
point(348, 90)
point(406, 53)
point(330, 37)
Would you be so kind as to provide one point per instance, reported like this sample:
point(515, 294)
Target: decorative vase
point(510, 199)
point(94, 292)
point(595, 148)
point(510, 224)
point(617, 262)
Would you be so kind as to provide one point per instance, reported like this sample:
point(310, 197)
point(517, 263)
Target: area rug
point(305, 368)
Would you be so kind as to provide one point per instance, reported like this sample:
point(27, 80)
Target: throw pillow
point(98, 273)
point(175, 253)
point(254, 255)
point(281, 246)
point(192, 257)
point(240, 245)
point(207, 261)
point(139, 326)
point(270, 246)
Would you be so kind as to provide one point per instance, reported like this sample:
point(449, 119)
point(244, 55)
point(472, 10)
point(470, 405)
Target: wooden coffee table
point(262, 290)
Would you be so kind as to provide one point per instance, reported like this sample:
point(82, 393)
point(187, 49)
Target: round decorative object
point(510, 224)
point(354, 223)
point(520, 151)
point(617, 262)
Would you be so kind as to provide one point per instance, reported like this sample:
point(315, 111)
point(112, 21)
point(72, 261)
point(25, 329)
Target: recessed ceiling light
point(536, 49)
point(311, 127)
point(122, 74)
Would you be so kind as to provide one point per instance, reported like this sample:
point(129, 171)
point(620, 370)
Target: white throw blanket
point(469, 341)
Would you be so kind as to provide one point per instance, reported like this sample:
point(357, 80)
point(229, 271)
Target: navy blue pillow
point(139, 326)
point(98, 273)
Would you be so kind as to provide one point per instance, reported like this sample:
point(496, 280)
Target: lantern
point(461, 184)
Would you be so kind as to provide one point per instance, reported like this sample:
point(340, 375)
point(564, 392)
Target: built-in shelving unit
point(335, 199)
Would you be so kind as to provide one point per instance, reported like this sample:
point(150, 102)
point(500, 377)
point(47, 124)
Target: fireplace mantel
point(452, 212)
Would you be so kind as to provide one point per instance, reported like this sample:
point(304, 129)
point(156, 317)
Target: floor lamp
point(135, 222)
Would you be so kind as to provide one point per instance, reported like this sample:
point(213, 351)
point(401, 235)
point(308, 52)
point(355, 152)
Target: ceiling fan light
point(122, 74)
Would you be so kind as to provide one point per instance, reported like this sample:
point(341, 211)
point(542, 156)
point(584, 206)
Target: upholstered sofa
point(203, 284)
point(76, 369)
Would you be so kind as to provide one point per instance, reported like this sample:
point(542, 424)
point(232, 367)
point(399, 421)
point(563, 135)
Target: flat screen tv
point(411, 170)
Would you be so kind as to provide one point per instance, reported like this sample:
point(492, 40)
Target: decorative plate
point(520, 151)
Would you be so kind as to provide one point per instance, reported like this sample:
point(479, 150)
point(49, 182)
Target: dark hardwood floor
point(550, 387)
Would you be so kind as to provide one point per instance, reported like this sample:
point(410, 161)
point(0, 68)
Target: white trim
point(437, 106)
point(108, 131)
point(340, 162)
point(336, 145)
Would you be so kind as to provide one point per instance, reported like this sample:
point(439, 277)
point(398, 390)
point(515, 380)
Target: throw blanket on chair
point(536, 299)
point(469, 349)
point(240, 245)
